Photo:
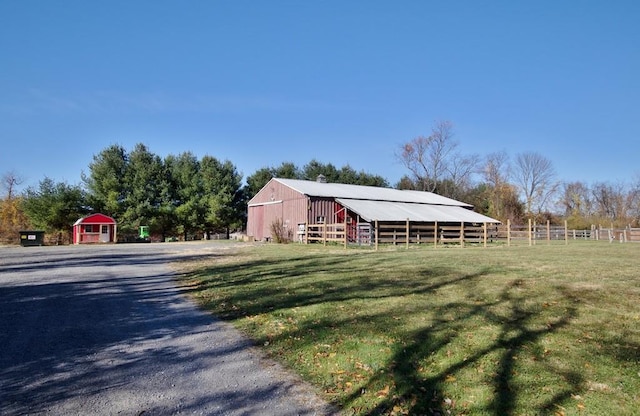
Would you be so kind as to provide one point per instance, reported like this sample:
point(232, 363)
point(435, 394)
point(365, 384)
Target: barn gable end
point(275, 201)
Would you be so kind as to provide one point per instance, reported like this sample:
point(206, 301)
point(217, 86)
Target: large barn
point(317, 210)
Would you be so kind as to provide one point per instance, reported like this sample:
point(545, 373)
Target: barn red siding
point(322, 207)
point(276, 201)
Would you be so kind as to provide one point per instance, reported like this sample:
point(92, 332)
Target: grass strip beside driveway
point(473, 331)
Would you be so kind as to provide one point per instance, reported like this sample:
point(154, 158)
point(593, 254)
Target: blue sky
point(264, 82)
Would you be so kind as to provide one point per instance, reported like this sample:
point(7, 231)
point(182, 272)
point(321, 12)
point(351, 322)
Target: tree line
point(189, 197)
point(176, 196)
point(513, 188)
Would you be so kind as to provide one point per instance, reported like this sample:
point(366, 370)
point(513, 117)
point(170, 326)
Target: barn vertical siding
point(322, 207)
point(276, 201)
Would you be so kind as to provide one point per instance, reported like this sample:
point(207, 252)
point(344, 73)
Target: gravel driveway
point(104, 330)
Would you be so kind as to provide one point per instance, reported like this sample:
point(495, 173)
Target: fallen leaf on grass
point(384, 392)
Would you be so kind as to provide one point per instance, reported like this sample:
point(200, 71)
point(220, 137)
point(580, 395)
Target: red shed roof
point(96, 219)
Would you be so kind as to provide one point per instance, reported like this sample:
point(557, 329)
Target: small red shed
point(95, 228)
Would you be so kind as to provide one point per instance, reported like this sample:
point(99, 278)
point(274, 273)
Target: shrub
point(280, 233)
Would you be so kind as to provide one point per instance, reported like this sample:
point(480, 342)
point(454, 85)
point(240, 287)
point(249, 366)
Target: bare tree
point(611, 200)
point(12, 218)
point(576, 200)
point(460, 171)
point(634, 201)
point(425, 157)
point(496, 171)
point(433, 162)
point(534, 175)
point(10, 181)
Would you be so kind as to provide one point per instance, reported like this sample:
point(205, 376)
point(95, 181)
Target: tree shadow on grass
point(420, 394)
point(260, 295)
point(519, 325)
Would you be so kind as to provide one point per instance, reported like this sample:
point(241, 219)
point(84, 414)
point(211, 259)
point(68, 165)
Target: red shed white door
point(105, 235)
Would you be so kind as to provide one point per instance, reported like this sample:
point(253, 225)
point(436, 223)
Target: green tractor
point(144, 233)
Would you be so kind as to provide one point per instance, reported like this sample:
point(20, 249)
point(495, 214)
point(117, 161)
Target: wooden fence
point(396, 233)
point(620, 235)
point(407, 233)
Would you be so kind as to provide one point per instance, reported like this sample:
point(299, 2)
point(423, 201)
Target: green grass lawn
point(461, 331)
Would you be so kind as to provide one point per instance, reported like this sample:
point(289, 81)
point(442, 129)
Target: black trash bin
point(31, 238)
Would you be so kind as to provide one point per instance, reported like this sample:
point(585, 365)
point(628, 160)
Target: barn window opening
point(320, 219)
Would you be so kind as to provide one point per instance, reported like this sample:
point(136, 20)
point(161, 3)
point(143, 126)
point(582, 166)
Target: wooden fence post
point(530, 236)
point(462, 234)
point(508, 233)
point(324, 233)
point(484, 230)
point(566, 233)
point(548, 232)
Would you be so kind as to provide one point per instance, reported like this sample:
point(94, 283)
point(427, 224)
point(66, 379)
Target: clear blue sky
point(345, 82)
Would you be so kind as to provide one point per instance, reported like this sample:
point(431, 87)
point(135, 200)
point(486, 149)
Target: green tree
point(54, 206)
point(106, 182)
point(165, 221)
point(222, 193)
point(144, 183)
point(314, 168)
point(347, 174)
point(190, 207)
point(311, 171)
point(259, 179)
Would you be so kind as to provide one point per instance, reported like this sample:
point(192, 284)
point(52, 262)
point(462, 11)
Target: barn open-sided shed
point(356, 213)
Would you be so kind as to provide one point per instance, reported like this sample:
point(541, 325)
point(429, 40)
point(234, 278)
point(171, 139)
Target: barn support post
point(435, 234)
point(530, 236)
point(324, 233)
point(408, 235)
point(462, 234)
point(508, 233)
point(345, 229)
point(376, 234)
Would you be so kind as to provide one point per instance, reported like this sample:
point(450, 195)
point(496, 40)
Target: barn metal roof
point(369, 193)
point(387, 204)
point(399, 211)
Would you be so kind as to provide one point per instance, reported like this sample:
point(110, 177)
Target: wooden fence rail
point(407, 233)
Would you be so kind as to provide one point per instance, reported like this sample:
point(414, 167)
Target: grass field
point(462, 331)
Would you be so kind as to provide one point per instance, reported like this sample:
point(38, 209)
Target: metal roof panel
point(373, 193)
point(418, 212)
